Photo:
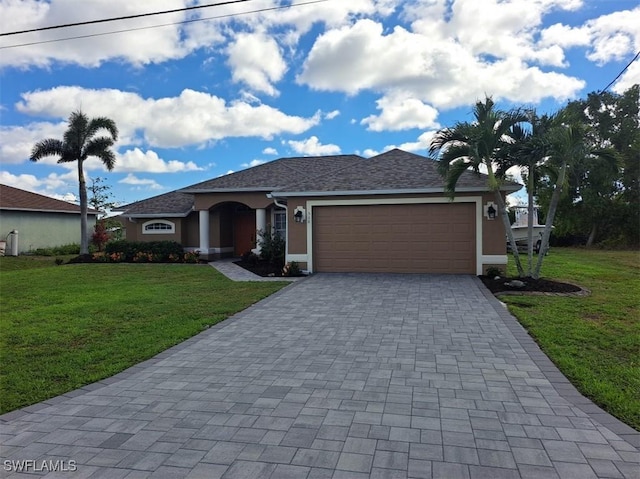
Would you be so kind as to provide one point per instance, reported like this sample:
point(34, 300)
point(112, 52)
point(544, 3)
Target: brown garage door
point(415, 238)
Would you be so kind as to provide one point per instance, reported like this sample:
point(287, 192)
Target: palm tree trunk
point(84, 240)
point(530, 223)
point(507, 227)
point(592, 235)
point(553, 206)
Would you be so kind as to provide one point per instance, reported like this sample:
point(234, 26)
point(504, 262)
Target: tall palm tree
point(481, 143)
point(568, 147)
point(529, 150)
point(80, 142)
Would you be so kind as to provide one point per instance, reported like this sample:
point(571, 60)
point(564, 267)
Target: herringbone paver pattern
point(337, 376)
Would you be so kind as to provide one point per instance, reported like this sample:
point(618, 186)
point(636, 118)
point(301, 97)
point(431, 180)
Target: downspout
point(286, 224)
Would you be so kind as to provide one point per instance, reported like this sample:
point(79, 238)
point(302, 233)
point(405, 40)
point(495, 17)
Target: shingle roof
point(278, 173)
point(174, 203)
point(16, 199)
point(393, 171)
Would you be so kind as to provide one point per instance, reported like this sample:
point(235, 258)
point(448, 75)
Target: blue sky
point(197, 100)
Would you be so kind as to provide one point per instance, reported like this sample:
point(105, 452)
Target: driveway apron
point(336, 376)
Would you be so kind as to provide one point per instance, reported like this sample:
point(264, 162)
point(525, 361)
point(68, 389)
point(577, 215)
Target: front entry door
point(244, 232)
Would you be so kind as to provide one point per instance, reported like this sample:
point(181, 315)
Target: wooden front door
point(244, 232)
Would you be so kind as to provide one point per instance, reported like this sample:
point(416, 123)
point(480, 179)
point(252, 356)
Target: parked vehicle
point(520, 228)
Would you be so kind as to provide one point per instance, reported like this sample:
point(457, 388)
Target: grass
point(67, 326)
point(594, 340)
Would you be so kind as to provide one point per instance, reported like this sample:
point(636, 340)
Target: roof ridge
point(358, 157)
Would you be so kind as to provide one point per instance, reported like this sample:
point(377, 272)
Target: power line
point(620, 74)
point(163, 25)
point(113, 19)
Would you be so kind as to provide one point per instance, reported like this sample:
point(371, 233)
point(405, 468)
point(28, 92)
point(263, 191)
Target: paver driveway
point(335, 376)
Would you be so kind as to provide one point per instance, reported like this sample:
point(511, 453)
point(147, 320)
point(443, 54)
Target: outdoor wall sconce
point(490, 210)
point(299, 214)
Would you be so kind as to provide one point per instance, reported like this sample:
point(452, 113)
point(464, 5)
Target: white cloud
point(16, 142)
point(140, 183)
point(628, 79)
point(368, 153)
point(332, 114)
point(192, 118)
point(422, 144)
point(401, 113)
point(253, 163)
point(149, 162)
point(438, 63)
point(611, 37)
point(312, 147)
point(269, 151)
point(47, 186)
point(151, 45)
point(255, 59)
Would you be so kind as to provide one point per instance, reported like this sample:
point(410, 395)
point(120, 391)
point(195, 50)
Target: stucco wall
point(42, 230)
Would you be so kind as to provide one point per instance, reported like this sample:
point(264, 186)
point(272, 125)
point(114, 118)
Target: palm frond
point(47, 147)
point(102, 123)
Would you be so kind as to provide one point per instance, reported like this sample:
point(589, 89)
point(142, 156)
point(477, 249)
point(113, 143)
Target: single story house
point(343, 213)
point(41, 221)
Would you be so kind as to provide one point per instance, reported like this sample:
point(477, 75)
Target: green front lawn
point(67, 326)
point(594, 340)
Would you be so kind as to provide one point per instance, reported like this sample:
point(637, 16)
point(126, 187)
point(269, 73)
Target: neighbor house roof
point(395, 171)
point(20, 200)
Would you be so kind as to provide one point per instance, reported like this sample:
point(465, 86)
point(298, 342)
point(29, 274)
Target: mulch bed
point(260, 268)
point(531, 285)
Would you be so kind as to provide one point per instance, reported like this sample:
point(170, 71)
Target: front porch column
point(261, 226)
point(204, 231)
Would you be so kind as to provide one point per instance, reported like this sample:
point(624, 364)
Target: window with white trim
point(158, 227)
point(280, 223)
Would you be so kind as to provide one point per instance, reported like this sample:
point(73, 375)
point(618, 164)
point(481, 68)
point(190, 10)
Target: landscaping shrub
point(272, 247)
point(100, 236)
point(147, 252)
point(57, 250)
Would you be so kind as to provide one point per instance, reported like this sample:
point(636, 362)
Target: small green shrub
point(272, 247)
point(57, 250)
point(492, 272)
point(292, 269)
point(59, 261)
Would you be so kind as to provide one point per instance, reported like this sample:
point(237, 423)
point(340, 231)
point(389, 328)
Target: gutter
point(511, 189)
point(286, 224)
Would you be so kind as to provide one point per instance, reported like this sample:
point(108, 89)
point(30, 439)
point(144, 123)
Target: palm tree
point(529, 150)
point(80, 142)
point(568, 147)
point(481, 143)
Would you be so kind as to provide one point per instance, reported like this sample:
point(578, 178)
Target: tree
point(79, 142)
point(484, 142)
point(107, 228)
point(101, 198)
point(568, 148)
point(601, 202)
point(529, 149)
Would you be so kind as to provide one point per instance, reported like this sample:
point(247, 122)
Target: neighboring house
point(41, 222)
point(344, 213)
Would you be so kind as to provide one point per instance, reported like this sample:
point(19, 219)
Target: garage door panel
point(431, 238)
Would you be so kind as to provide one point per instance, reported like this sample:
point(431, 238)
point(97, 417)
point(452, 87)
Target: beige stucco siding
point(206, 201)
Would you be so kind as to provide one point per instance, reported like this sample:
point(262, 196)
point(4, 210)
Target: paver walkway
point(336, 376)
